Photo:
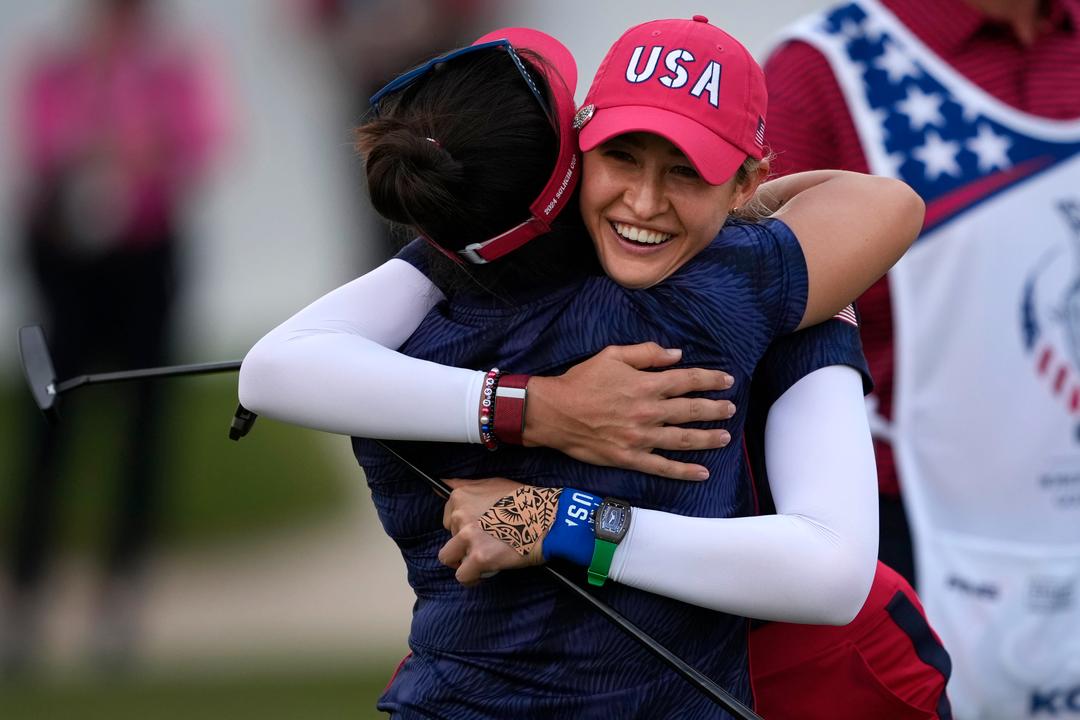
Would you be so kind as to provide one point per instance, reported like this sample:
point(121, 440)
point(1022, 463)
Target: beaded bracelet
point(487, 410)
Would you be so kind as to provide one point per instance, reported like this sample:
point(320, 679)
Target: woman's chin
point(633, 275)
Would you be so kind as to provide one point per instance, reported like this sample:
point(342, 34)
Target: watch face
point(613, 519)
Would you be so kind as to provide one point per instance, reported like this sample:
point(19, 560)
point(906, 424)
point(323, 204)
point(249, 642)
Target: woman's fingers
point(643, 355)
point(468, 573)
point(453, 552)
point(471, 498)
point(457, 511)
point(475, 555)
point(677, 411)
point(653, 464)
point(679, 438)
point(673, 383)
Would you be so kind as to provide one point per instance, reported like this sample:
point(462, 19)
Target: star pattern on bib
point(991, 149)
point(922, 109)
point(896, 64)
point(942, 136)
point(938, 156)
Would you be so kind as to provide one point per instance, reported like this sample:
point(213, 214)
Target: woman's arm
point(813, 562)
point(852, 228)
point(330, 366)
point(333, 366)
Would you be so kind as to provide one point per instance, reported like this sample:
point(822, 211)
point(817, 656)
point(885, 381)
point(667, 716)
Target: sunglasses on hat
point(564, 177)
point(404, 81)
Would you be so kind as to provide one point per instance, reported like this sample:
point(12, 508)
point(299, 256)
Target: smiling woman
point(649, 211)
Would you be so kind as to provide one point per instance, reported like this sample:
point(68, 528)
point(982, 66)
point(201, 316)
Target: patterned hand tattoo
point(522, 520)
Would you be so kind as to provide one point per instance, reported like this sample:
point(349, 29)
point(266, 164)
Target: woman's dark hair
point(461, 154)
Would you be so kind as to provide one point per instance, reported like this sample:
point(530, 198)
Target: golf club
point(41, 377)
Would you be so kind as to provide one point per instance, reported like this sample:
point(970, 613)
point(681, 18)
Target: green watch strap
point(603, 552)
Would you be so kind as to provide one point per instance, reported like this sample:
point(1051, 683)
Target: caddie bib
point(986, 406)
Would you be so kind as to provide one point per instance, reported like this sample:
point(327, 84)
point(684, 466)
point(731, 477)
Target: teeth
point(640, 235)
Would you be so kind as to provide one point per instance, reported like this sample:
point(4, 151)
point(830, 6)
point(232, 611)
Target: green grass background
point(214, 489)
point(347, 693)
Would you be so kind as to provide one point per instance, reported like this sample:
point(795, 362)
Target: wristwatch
point(610, 523)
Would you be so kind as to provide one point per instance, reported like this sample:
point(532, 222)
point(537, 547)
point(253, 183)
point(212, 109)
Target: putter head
point(38, 368)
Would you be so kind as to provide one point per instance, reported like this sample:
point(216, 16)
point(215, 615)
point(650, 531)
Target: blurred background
point(175, 179)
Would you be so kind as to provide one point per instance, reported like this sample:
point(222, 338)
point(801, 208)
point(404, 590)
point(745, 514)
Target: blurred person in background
point(116, 128)
point(971, 338)
point(371, 40)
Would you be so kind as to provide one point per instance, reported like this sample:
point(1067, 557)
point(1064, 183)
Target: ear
point(744, 192)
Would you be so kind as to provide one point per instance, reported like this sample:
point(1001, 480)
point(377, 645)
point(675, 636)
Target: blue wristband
point(571, 536)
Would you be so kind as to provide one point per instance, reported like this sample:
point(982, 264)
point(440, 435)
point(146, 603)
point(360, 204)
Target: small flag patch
point(847, 315)
point(759, 136)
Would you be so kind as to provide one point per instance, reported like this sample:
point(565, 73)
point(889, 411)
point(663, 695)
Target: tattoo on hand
point(522, 519)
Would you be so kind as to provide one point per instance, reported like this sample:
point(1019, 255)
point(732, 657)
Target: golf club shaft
point(147, 374)
point(704, 684)
point(691, 674)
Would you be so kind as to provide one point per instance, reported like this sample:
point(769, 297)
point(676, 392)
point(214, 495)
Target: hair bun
point(411, 178)
point(495, 151)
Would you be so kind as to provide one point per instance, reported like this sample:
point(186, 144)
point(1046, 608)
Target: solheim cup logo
point(1052, 298)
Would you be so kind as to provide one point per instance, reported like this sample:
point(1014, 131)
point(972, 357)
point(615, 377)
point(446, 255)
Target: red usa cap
point(687, 81)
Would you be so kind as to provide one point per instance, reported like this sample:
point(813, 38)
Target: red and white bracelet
point(502, 408)
point(511, 394)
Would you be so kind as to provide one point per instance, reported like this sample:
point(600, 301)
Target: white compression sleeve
point(332, 367)
point(814, 561)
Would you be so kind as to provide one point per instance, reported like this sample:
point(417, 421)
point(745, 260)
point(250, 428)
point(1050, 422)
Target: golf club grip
point(704, 684)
